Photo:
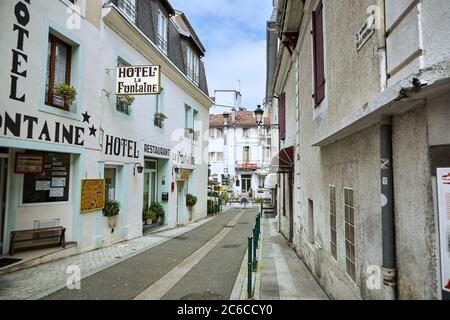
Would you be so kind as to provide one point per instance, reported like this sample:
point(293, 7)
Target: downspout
point(386, 173)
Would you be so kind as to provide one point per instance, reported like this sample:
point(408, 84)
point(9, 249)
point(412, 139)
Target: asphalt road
point(212, 276)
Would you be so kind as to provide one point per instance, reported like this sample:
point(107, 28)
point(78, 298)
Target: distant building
point(238, 152)
point(225, 100)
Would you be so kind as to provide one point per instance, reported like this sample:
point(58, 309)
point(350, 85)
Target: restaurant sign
point(154, 151)
point(138, 80)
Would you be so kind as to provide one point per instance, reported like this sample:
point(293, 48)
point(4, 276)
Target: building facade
point(144, 151)
point(363, 112)
point(239, 152)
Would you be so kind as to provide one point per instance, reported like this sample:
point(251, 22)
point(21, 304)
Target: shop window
point(59, 61)
point(110, 184)
point(53, 184)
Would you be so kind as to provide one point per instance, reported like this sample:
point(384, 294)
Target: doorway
point(246, 183)
point(150, 183)
point(180, 203)
point(3, 176)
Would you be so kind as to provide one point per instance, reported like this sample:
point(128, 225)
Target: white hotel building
point(143, 157)
point(239, 151)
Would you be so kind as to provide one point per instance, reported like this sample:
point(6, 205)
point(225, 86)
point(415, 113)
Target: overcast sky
point(234, 35)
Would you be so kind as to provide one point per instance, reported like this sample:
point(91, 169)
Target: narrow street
point(200, 264)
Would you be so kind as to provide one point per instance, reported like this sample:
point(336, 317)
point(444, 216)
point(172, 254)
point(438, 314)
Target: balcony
point(127, 7)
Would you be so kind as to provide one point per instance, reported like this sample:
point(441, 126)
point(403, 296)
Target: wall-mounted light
point(139, 168)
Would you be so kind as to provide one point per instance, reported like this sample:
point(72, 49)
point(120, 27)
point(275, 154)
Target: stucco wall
point(415, 219)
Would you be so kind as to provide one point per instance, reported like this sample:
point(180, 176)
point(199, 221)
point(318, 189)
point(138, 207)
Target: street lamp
point(259, 114)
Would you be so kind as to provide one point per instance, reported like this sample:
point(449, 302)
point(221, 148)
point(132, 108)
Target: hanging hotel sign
point(138, 80)
point(154, 151)
point(92, 195)
point(183, 175)
point(443, 176)
point(366, 31)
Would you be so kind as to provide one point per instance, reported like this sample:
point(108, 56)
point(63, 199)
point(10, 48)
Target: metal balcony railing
point(127, 7)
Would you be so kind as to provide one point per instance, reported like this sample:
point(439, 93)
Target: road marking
point(157, 290)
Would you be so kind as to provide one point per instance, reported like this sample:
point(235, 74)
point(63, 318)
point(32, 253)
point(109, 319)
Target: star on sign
point(92, 131)
point(86, 117)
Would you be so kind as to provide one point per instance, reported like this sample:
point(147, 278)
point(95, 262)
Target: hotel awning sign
point(138, 80)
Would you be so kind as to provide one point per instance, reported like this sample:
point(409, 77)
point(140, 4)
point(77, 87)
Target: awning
point(283, 162)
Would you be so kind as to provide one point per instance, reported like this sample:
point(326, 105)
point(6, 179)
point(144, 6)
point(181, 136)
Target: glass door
point(150, 183)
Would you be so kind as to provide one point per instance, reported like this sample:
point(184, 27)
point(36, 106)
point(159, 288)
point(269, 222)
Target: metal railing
point(127, 7)
point(252, 265)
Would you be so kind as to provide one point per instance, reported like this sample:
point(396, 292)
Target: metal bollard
point(250, 268)
point(255, 262)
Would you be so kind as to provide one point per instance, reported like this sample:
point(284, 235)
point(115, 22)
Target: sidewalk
point(280, 275)
point(283, 275)
point(39, 281)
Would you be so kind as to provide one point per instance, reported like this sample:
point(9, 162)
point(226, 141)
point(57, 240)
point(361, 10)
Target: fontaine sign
point(138, 80)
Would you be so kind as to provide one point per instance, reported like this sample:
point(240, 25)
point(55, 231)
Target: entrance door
point(246, 183)
point(180, 203)
point(150, 183)
point(3, 175)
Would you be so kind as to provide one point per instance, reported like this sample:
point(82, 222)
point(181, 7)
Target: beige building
point(362, 99)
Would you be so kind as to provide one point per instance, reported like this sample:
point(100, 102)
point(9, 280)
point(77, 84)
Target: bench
point(37, 239)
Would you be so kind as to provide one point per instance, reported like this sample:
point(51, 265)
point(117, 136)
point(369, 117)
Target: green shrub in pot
point(111, 209)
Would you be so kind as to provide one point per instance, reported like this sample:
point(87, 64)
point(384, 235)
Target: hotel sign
point(138, 80)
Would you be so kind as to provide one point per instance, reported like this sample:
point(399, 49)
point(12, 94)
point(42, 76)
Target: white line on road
point(157, 290)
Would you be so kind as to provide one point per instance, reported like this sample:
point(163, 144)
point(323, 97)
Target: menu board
point(92, 195)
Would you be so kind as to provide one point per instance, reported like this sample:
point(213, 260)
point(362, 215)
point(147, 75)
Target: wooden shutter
point(282, 116)
point(319, 67)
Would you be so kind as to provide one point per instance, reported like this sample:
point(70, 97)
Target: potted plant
point(191, 201)
point(111, 210)
point(159, 119)
point(66, 92)
point(157, 212)
point(125, 101)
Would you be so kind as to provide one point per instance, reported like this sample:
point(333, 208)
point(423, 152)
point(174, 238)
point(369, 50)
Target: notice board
point(92, 195)
point(443, 178)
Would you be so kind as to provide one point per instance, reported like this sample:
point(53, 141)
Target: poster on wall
point(29, 163)
point(443, 177)
point(92, 195)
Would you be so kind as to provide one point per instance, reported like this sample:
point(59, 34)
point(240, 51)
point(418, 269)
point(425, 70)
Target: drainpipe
point(387, 211)
point(380, 24)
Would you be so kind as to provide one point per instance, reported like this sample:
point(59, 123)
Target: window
point(59, 61)
point(261, 182)
point(246, 132)
point(110, 184)
point(311, 236)
point(282, 116)
point(121, 104)
point(193, 66)
point(53, 184)
point(219, 157)
point(246, 155)
point(211, 132)
point(194, 120)
point(350, 256)
point(211, 157)
point(333, 229)
point(160, 100)
point(219, 132)
point(128, 7)
point(162, 31)
point(319, 67)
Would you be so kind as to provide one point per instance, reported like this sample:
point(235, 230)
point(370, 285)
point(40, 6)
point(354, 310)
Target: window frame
point(50, 81)
point(333, 226)
point(163, 26)
point(351, 225)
